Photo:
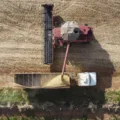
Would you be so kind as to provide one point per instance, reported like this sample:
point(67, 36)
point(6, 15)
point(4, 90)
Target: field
point(22, 44)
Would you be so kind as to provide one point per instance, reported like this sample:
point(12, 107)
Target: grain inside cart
point(55, 38)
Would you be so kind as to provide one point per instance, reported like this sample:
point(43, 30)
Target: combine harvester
point(56, 37)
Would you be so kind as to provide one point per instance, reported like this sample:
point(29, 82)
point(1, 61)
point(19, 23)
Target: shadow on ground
point(90, 57)
point(93, 58)
point(58, 21)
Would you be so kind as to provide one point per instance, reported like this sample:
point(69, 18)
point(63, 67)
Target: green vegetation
point(21, 118)
point(19, 98)
point(37, 118)
point(13, 96)
point(75, 97)
point(115, 118)
point(112, 97)
point(48, 118)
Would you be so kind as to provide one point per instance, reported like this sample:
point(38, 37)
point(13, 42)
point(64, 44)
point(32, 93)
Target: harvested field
point(22, 44)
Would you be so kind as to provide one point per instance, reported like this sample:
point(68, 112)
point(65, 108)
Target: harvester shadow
point(57, 21)
point(84, 57)
point(87, 57)
point(90, 57)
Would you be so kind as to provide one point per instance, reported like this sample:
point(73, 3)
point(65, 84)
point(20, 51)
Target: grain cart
point(56, 37)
